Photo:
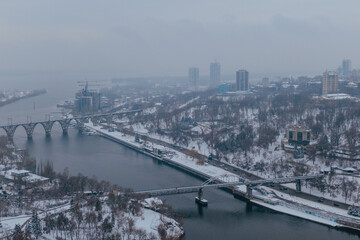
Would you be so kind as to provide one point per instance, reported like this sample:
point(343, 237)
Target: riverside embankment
point(272, 200)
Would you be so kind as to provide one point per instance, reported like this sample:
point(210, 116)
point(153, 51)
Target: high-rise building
point(329, 82)
point(242, 80)
point(265, 82)
point(194, 77)
point(87, 101)
point(346, 67)
point(215, 74)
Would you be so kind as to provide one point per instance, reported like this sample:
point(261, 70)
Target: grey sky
point(162, 38)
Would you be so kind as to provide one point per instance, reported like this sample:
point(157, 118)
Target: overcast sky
point(164, 37)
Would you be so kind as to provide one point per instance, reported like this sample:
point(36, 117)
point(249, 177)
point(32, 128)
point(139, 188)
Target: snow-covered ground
point(147, 221)
point(178, 157)
point(325, 214)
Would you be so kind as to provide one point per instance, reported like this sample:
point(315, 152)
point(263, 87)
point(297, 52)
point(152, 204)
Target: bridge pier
point(29, 129)
point(64, 125)
point(65, 131)
point(200, 193)
point(10, 131)
point(199, 199)
point(81, 126)
point(249, 192)
point(298, 185)
point(47, 127)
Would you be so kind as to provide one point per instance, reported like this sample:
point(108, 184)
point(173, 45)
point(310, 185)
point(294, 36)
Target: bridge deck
point(190, 189)
point(72, 118)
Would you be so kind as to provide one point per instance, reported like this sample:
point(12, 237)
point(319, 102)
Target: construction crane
point(93, 83)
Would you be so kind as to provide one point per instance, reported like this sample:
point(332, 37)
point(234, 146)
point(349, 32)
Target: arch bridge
point(64, 123)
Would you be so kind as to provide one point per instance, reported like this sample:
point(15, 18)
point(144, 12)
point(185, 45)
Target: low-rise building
point(298, 135)
point(26, 177)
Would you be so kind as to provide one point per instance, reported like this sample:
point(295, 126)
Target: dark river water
point(224, 218)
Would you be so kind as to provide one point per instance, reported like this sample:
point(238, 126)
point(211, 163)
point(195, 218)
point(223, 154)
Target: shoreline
point(311, 214)
point(30, 94)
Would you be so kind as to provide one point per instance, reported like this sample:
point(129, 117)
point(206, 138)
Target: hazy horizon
point(113, 39)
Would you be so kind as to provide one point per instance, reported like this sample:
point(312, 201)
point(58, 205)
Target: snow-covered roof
point(9, 174)
point(16, 171)
point(349, 169)
point(337, 96)
point(326, 169)
point(33, 178)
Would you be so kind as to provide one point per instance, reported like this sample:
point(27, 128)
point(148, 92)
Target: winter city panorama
point(203, 119)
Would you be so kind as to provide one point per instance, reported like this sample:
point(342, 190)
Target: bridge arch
point(64, 123)
point(47, 127)
point(29, 128)
point(10, 131)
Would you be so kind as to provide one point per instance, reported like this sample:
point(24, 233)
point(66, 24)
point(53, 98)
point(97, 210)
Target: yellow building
point(329, 82)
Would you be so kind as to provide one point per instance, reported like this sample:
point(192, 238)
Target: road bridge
point(223, 182)
point(64, 123)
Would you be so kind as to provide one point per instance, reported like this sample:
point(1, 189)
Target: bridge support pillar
point(200, 194)
point(10, 137)
point(298, 185)
point(81, 126)
point(81, 123)
point(248, 191)
point(199, 199)
point(29, 129)
point(65, 126)
point(47, 127)
point(10, 131)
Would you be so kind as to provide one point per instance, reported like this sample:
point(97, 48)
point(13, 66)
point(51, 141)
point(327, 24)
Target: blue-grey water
point(224, 218)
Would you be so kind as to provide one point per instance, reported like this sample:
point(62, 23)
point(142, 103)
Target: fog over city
point(163, 38)
point(174, 120)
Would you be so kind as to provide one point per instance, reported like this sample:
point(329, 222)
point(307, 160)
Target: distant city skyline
point(153, 38)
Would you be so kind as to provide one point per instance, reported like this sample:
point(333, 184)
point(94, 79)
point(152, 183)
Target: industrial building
point(87, 101)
